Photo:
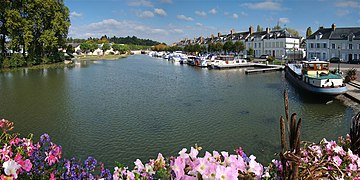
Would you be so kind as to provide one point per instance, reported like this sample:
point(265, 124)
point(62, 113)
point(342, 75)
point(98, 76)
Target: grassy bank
point(36, 67)
point(105, 57)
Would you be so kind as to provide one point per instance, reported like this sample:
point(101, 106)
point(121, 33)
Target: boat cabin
point(317, 74)
point(315, 68)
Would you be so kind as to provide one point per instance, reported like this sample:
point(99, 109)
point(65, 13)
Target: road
point(344, 67)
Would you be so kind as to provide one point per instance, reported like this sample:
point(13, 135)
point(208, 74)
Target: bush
point(17, 60)
point(6, 63)
point(271, 59)
point(58, 57)
point(351, 73)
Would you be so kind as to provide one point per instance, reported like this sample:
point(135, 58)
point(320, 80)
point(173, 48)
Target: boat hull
point(310, 88)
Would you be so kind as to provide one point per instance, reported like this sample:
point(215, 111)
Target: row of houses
point(97, 52)
point(326, 43)
point(323, 44)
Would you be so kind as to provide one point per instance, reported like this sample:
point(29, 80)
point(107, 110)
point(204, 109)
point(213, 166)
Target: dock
point(353, 91)
point(265, 68)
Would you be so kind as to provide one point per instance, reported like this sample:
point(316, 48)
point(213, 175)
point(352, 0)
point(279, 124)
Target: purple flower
point(45, 138)
point(106, 174)
point(90, 163)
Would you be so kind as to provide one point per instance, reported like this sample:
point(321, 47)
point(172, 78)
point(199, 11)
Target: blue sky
point(172, 20)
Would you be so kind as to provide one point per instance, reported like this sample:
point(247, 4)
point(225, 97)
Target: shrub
point(271, 59)
point(6, 63)
point(351, 73)
point(17, 60)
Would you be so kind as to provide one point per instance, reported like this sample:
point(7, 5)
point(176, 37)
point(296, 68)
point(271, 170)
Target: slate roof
point(338, 34)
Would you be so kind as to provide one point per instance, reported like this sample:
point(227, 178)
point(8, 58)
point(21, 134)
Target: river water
point(139, 106)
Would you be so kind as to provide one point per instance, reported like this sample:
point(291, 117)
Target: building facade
point(326, 43)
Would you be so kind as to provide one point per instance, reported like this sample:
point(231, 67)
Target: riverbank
point(105, 57)
point(36, 67)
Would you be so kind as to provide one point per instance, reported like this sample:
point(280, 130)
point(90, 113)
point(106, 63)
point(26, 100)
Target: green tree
point(239, 46)
point(228, 46)
point(218, 47)
point(293, 32)
point(308, 32)
point(211, 47)
point(105, 46)
point(251, 52)
point(258, 28)
point(85, 47)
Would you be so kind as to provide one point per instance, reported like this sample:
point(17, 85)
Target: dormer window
point(319, 36)
point(351, 37)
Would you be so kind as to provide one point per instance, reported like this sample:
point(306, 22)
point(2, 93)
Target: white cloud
point(179, 31)
point(213, 11)
point(350, 4)
point(112, 27)
point(284, 20)
point(267, 5)
point(243, 13)
point(200, 13)
point(235, 16)
point(75, 14)
point(199, 24)
point(226, 13)
point(146, 14)
point(166, 1)
point(140, 3)
point(183, 17)
point(160, 12)
point(342, 12)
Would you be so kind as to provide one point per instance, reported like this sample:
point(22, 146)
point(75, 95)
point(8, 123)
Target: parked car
point(314, 59)
point(335, 60)
point(264, 56)
point(354, 61)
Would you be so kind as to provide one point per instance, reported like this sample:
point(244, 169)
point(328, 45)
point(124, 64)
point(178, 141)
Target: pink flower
point(6, 152)
point(50, 158)
point(183, 154)
point(52, 177)
point(337, 160)
point(255, 167)
point(178, 167)
point(193, 153)
point(26, 165)
point(139, 165)
point(223, 173)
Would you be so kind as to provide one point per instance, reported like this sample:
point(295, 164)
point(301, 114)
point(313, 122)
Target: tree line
point(219, 47)
point(31, 31)
point(117, 40)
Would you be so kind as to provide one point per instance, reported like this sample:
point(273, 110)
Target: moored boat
point(315, 77)
point(229, 62)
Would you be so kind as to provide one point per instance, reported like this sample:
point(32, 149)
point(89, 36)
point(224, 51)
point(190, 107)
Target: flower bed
point(21, 158)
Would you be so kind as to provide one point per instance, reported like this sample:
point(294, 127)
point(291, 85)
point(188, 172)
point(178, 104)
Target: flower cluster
point(190, 166)
point(328, 159)
point(22, 159)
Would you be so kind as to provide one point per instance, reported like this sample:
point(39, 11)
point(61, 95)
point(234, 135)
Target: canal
point(139, 106)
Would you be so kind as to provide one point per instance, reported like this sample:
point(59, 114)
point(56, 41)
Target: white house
point(326, 43)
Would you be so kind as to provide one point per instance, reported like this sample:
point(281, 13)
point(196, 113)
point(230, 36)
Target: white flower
point(10, 168)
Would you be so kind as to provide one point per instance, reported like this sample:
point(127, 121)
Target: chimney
point(321, 27)
point(201, 40)
point(333, 27)
point(232, 32)
point(219, 34)
point(251, 30)
point(267, 30)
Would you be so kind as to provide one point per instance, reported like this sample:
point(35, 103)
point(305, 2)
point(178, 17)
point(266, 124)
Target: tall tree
point(308, 32)
point(258, 29)
point(239, 46)
point(228, 46)
point(105, 46)
point(218, 47)
point(293, 32)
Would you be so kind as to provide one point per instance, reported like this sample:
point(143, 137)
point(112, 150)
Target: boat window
point(311, 66)
point(325, 66)
point(318, 66)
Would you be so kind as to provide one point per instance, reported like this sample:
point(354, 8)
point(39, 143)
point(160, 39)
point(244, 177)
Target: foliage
point(159, 47)
point(38, 27)
point(228, 46)
point(17, 60)
point(308, 32)
point(239, 46)
point(6, 63)
point(133, 40)
point(293, 32)
point(218, 47)
point(105, 46)
point(271, 59)
point(250, 52)
point(351, 73)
